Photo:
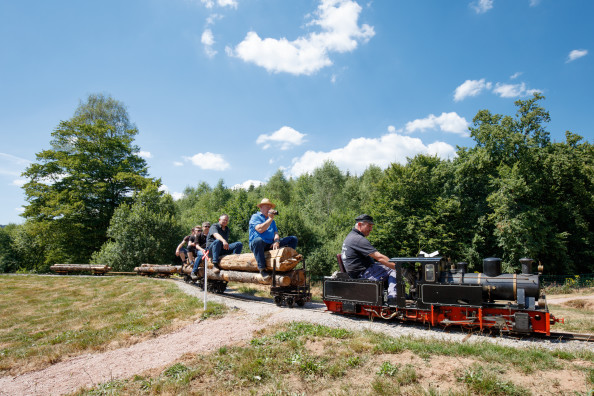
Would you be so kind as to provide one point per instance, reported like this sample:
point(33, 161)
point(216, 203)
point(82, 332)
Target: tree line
point(514, 194)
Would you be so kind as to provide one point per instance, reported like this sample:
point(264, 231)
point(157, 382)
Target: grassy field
point(48, 318)
point(303, 358)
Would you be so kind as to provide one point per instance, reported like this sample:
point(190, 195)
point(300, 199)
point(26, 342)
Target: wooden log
point(158, 269)
point(290, 278)
point(95, 268)
point(285, 259)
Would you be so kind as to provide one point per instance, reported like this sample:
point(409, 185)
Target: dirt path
point(205, 336)
point(92, 369)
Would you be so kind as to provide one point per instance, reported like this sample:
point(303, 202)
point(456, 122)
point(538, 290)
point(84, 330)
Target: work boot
point(194, 276)
point(216, 269)
point(265, 275)
point(392, 301)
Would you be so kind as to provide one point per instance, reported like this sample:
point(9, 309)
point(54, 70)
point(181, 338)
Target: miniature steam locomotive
point(429, 290)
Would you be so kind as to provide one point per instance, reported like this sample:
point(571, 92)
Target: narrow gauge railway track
point(553, 337)
point(571, 337)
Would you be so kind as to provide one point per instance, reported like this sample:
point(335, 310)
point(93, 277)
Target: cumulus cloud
point(359, 153)
point(513, 90)
point(340, 32)
point(178, 163)
point(471, 88)
point(19, 182)
point(220, 3)
point(246, 184)
point(209, 161)
point(175, 195)
point(207, 40)
point(515, 75)
point(447, 122)
point(284, 138)
point(474, 87)
point(576, 54)
point(145, 154)
point(481, 6)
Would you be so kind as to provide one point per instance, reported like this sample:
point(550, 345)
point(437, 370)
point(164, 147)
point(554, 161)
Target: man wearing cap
point(362, 261)
point(264, 235)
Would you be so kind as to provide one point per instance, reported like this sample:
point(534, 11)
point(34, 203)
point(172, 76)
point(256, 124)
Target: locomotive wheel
point(278, 300)
point(300, 302)
point(290, 302)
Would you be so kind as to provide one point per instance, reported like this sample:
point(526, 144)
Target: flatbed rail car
point(429, 292)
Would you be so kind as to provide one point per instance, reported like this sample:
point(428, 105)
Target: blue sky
point(236, 89)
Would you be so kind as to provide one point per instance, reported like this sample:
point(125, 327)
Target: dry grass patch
point(303, 358)
point(578, 316)
point(47, 318)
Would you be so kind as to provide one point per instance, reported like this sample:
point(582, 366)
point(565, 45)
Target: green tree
point(75, 187)
point(144, 232)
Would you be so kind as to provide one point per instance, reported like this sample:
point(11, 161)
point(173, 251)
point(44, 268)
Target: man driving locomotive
point(362, 261)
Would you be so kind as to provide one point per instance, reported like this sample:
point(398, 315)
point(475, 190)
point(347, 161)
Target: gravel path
point(235, 328)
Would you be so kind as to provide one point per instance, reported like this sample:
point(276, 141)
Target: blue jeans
point(199, 255)
point(259, 247)
point(217, 251)
point(380, 272)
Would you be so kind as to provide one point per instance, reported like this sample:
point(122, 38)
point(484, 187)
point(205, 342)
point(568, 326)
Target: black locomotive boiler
point(430, 290)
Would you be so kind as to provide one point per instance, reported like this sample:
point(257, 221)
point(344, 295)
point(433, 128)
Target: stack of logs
point(92, 268)
point(243, 268)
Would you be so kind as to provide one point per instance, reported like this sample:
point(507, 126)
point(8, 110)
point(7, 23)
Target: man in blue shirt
point(264, 235)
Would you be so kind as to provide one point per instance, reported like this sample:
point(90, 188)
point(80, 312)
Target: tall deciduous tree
point(75, 187)
point(144, 232)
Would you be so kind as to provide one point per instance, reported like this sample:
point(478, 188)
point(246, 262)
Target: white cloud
point(447, 122)
point(515, 75)
point(19, 182)
point(246, 184)
point(175, 195)
point(359, 153)
point(20, 209)
point(208, 40)
point(145, 154)
point(338, 20)
point(471, 88)
point(513, 90)
point(481, 6)
point(209, 161)
point(284, 138)
point(474, 87)
point(576, 54)
point(220, 3)
point(534, 3)
point(178, 163)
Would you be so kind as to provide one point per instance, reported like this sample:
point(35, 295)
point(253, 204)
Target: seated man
point(199, 242)
point(264, 235)
point(217, 242)
point(181, 251)
point(192, 243)
point(358, 257)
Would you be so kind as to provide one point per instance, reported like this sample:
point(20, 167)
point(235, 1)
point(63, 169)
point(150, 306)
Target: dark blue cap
point(364, 218)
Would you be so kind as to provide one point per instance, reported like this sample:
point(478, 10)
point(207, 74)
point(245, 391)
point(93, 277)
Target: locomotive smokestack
point(492, 266)
point(526, 265)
